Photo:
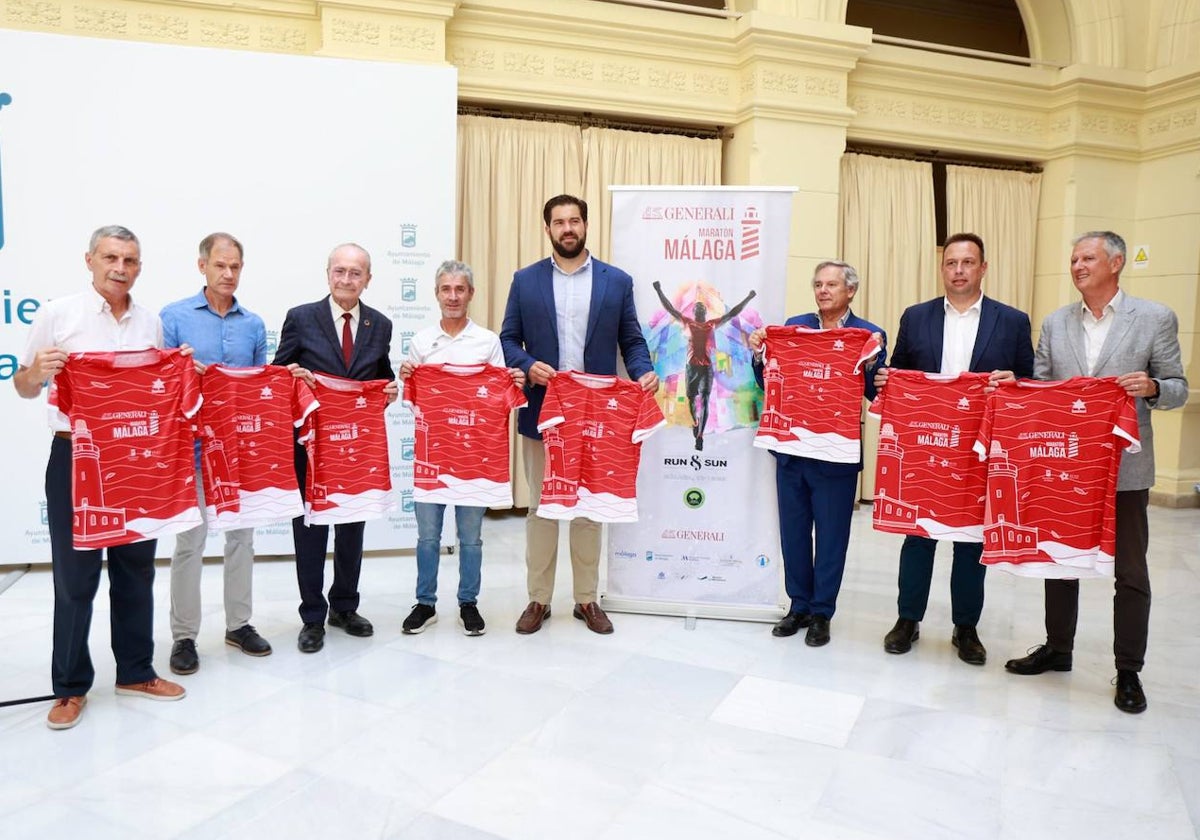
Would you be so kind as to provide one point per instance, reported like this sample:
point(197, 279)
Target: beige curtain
point(1001, 207)
point(637, 158)
point(507, 168)
point(506, 171)
point(888, 235)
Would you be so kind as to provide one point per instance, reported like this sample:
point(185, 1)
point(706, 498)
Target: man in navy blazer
point(962, 331)
point(818, 495)
point(341, 336)
point(567, 312)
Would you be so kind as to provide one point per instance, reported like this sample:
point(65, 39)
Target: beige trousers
point(541, 539)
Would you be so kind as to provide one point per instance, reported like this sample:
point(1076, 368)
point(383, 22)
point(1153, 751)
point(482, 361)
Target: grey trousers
point(186, 564)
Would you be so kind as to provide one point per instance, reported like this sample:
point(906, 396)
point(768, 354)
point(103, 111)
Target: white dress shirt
point(1095, 330)
point(958, 336)
point(337, 312)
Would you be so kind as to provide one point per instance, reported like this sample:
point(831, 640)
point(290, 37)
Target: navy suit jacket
point(310, 339)
point(1003, 341)
point(813, 320)
point(530, 330)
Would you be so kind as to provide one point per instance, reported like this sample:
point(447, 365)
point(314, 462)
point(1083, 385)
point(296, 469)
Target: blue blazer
point(813, 320)
point(309, 339)
point(1003, 341)
point(530, 330)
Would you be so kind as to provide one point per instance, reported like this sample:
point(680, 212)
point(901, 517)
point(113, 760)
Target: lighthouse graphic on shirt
point(246, 447)
point(928, 480)
point(461, 419)
point(1053, 453)
point(131, 444)
point(813, 392)
point(592, 431)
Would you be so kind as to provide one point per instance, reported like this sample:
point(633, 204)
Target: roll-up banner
point(709, 267)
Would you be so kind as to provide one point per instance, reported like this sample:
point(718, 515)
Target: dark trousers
point(1131, 595)
point(814, 496)
point(966, 580)
point(76, 580)
point(312, 543)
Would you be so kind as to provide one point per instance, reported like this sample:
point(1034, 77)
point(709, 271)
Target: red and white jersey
point(813, 392)
point(349, 477)
point(132, 444)
point(592, 428)
point(246, 444)
point(1053, 451)
point(461, 420)
point(928, 479)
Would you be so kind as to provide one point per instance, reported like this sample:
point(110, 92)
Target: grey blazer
point(1144, 336)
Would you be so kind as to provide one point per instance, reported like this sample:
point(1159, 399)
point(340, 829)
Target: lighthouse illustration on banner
point(93, 520)
point(1005, 536)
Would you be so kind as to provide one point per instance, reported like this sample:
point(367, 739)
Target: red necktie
point(347, 340)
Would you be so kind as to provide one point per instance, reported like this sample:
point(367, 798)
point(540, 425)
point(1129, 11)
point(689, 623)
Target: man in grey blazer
point(1111, 333)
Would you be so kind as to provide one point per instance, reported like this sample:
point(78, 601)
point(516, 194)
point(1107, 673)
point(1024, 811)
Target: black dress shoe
point(970, 649)
point(312, 638)
point(184, 659)
point(246, 638)
point(818, 632)
point(1130, 697)
point(903, 633)
point(791, 623)
point(1040, 660)
point(351, 622)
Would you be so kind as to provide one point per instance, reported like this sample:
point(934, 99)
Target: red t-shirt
point(592, 429)
point(813, 391)
point(701, 342)
point(349, 477)
point(928, 479)
point(461, 419)
point(131, 444)
point(246, 451)
point(1053, 451)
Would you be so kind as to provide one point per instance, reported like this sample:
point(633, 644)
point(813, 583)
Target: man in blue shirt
point(221, 331)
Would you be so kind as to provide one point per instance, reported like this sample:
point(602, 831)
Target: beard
point(569, 252)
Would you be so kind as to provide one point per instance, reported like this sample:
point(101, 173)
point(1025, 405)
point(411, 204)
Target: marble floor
point(658, 731)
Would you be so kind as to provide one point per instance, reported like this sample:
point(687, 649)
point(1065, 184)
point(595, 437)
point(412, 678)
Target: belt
point(63, 435)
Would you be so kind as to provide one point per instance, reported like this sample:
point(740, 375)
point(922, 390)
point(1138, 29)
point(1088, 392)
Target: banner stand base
point(691, 611)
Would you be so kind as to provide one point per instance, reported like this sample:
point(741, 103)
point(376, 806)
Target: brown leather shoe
point(531, 620)
point(66, 712)
point(155, 689)
point(594, 617)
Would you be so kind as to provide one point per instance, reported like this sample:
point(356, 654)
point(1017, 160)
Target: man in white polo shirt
point(102, 319)
point(455, 339)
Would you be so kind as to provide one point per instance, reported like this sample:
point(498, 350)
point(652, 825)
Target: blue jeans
point(469, 521)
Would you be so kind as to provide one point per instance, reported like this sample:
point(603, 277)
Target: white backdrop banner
point(293, 155)
point(709, 267)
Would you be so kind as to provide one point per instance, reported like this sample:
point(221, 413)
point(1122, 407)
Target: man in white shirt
point(458, 340)
point(102, 319)
point(962, 331)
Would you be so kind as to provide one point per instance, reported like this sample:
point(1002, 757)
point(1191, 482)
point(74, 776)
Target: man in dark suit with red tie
point(341, 336)
point(962, 331)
